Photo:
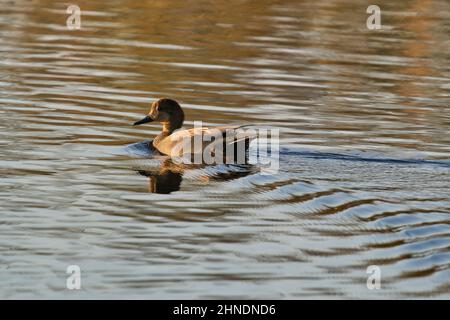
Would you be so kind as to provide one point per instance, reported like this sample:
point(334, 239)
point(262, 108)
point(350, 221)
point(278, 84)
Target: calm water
point(364, 166)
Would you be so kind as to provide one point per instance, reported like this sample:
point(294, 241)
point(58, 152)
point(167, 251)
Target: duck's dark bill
point(145, 120)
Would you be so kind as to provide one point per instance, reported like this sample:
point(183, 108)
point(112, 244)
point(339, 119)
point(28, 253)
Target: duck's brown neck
point(168, 128)
point(172, 125)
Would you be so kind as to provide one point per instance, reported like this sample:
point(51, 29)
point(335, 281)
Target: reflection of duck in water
point(228, 140)
point(167, 177)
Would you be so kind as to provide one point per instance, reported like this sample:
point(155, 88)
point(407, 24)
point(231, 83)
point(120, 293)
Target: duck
point(176, 143)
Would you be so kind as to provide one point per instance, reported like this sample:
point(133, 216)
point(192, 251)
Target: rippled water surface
point(364, 171)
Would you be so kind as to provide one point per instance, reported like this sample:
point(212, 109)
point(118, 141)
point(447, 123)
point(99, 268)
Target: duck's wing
point(188, 141)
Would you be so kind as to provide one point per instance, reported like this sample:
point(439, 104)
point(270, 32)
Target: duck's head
point(166, 111)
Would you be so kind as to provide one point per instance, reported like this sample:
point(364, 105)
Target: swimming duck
point(176, 144)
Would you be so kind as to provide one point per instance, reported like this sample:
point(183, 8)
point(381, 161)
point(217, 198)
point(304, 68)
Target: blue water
point(364, 168)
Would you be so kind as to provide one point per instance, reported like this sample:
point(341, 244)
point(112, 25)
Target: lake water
point(364, 172)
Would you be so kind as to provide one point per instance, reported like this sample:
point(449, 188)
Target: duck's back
point(196, 140)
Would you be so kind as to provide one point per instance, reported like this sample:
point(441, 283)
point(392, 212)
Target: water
point(364, 162)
